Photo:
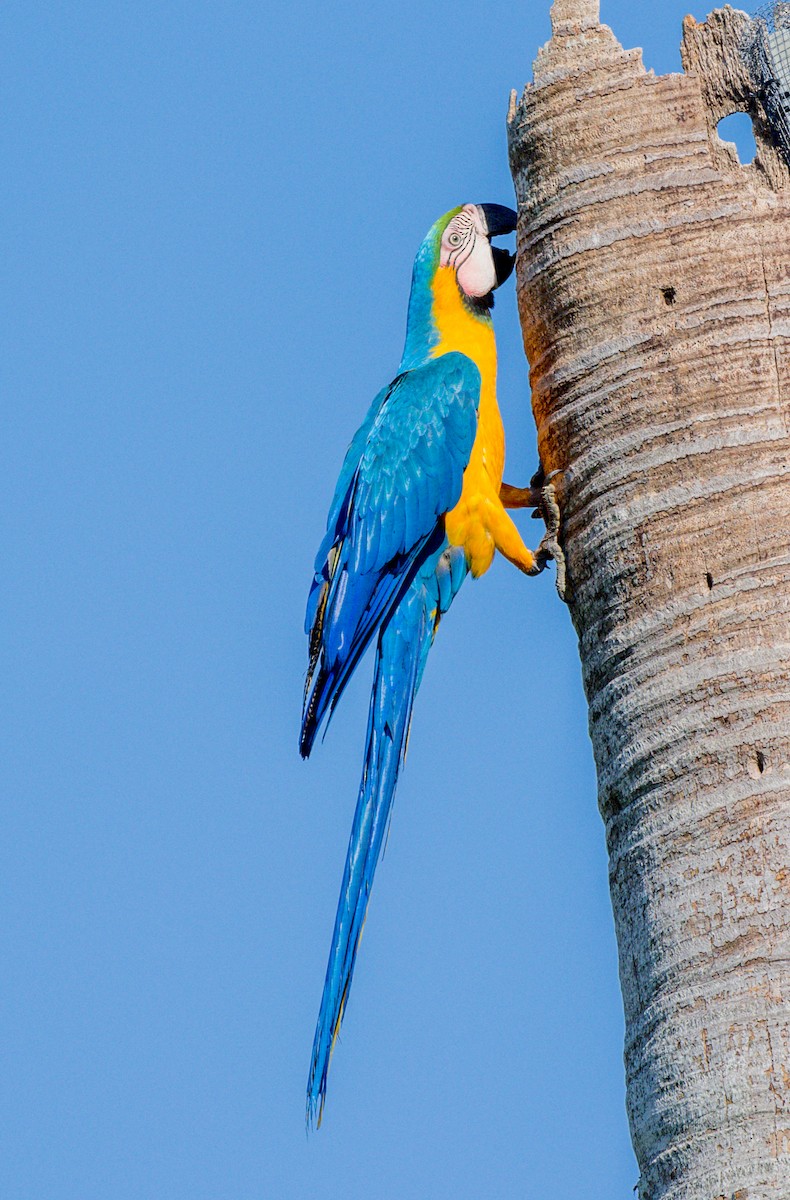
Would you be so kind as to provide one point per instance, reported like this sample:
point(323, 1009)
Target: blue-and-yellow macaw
point(418, 505)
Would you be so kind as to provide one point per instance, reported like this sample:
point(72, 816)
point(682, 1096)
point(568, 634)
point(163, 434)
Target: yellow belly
point(472, 522)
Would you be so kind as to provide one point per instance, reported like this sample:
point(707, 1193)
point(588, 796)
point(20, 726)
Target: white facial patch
point(466, 248)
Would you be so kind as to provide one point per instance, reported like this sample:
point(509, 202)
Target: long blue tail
point(401, 655)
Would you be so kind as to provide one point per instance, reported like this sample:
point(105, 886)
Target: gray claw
point(550, 547)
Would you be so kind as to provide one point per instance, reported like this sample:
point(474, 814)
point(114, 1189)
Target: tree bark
point(654, 291)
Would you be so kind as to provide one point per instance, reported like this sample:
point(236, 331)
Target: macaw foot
point(550, 547)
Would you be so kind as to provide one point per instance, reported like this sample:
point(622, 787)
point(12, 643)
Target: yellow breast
point(468, 524)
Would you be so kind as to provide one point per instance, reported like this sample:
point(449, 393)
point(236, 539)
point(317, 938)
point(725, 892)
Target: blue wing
point(402, 473)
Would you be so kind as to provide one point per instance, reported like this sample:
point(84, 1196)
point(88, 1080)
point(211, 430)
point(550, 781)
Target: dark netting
point(767, 51)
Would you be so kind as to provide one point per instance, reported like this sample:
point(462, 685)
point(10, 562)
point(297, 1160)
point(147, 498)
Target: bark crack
point(769, 315)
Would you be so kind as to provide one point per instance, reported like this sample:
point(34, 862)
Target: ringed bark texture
point(654, 291)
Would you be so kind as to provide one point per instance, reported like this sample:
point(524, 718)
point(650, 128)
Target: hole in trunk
point(737, 128)
point(709, 581)
point(760, 761)
point(669, 294)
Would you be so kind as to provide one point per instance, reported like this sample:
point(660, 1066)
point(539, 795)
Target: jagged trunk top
point(570, 14)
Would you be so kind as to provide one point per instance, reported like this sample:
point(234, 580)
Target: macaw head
point(464, 247)
point(456, 261)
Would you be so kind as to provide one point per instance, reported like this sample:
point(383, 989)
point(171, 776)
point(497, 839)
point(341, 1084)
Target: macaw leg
point(509, 542)
point(514, 497)
point(528, 497)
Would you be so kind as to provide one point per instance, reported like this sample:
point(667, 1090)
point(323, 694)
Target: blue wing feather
point(382, 523)
point(338, 509)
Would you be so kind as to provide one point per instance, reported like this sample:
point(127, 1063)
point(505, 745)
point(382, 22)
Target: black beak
point(504, 262)
point(498, 219)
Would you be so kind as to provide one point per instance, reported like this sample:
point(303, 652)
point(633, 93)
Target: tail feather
point(401, 656)
point(398, 661)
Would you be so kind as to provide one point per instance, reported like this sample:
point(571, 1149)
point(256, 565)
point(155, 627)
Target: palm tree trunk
point(654, 292)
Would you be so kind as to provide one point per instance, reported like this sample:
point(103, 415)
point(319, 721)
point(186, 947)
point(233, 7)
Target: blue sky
point(210, 214)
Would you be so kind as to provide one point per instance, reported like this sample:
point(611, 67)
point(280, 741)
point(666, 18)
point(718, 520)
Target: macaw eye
point(455, 239)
